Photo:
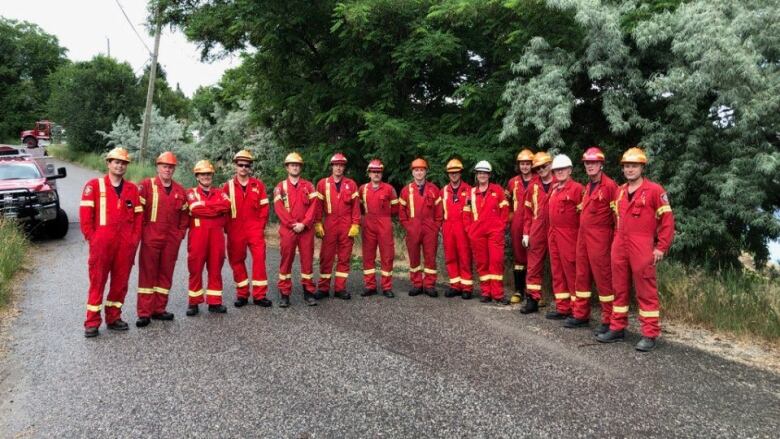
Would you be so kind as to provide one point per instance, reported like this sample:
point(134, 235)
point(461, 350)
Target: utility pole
point(108, 46)
point(150, 88)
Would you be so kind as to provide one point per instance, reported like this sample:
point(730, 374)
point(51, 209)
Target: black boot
point(192, 310)
point(343, 295)
point(646, 344)
point(118, 325)
point(264, 302)
point(241, 301)
point(571, 322)
point(308, 299)
point(431, 292)
point(218, 309)
point(284, 302)
point(466, 295)
point(601, 329)
point(451, 292)
point(143, 322)
point(611, 336)
point(485, 299)
point(415, 291)
point(555, 315)
point(92, 331)
point(163, 316)
point(367, 293)
point(319, 295)
point(388, 293)
point(530, 305)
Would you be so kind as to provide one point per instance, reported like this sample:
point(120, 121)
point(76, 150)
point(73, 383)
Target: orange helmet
point(243, 155)
point(454, 165)
point(541, 158)
point(634, 155)
point(375, 165)
point(293, 157)
point(338, 159)
point(166, 158)
point(593, 154)
point(525, 156)
point(419, 163)
point(118, 153)
point(203, 167)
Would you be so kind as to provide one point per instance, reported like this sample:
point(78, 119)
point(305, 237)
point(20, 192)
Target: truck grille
point(17, 203)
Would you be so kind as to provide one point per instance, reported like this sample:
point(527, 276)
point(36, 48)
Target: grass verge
point(742, 303)
point(13, 248)
point(135, 171)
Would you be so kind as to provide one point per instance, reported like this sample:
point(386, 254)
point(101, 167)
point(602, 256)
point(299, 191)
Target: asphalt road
point(408, 367)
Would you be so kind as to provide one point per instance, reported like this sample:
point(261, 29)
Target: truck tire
point(58, 228)
point(30, 142)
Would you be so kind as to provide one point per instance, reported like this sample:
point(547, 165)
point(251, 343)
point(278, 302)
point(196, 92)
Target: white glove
point(525, 241)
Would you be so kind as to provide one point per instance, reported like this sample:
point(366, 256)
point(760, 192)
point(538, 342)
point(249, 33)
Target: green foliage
point(165, 134)
point(171, 102)
point(88, 97)
point(28, 56)
point(695, 83)
point(13, 248)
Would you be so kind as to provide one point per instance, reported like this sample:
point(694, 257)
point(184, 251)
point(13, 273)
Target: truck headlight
point(47, 197)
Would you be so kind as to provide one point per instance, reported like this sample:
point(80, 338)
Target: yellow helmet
point(634, 155)
point(118, 153)
point(541, 158)
point(243, 155)
point(454, 165)
point(203, 167)
point(293, 157)
point(525, 156)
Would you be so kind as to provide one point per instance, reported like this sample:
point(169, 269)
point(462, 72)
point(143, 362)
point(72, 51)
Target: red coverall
point(165, 224)
point(457, 251)
point(563, 207)
point(295, 203)
point(485, 218)
point(597, 222)
point(340, 209)
point(246, 228)
point(112, 225)
point(515, 190)
point(421, 217)
point(206, 244)
point(379, 206)
point(644, 222)
point(535, 225)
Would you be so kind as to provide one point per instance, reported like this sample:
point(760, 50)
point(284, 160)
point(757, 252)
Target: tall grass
point(739, 302)
point(13, 250)
point(136, 171)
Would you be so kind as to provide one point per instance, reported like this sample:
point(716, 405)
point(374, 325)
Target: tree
point(165, 134)
point(28, 56)
point(696, 84)
point(170, 102)
point(88, 97)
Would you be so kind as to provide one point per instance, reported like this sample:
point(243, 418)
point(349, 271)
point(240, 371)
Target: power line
point(148, 50)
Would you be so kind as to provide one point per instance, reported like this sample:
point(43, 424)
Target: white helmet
point(483, 166)
point(561, 161)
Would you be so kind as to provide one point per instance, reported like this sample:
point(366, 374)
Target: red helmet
point(338, 159)
point(375, 165)
point(593, 154)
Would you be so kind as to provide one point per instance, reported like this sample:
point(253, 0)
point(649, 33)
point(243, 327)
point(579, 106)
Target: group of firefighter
point(598, 233)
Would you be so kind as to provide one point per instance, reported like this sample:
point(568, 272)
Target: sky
point(82, 26)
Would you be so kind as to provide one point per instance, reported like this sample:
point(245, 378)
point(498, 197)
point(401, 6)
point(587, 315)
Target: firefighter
point(564, 216)
point(380, 203)
point(643, 234)
point(246, 228)
point(421, 217)
point(535, 225)
point(515, 193)
point(209, 207)
point(457, 251)
point(593, 243)
point(338, 223)
point(164, 226)
point(295, 203)
point(110, 214)
point(485, 216)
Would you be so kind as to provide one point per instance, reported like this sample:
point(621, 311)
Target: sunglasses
point(243, 165)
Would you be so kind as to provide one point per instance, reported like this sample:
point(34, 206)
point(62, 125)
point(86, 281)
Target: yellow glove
point(354, 230)
point(319, 230)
